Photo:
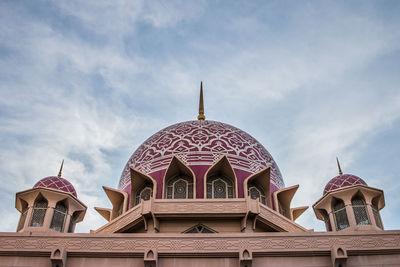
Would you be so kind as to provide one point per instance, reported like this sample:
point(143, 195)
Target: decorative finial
point(59, 173)
point(338, 164)
point(201, 104)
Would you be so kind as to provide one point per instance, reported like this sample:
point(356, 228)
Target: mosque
point(201, 193)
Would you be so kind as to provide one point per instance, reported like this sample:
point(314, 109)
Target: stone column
point(332, 221)
point(67, 222)
point(49, 215)
point(350, 213)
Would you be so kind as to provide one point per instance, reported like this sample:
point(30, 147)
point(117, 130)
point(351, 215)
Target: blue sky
point(89, 81)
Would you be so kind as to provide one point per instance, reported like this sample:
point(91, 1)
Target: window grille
point(339, 211)
point(38, 213)
point(326, 220)
point(255, 192)
point(360, 211)
point(144, 193)
point(72, 222)
point(199, 229)
point(22, 219)
point(281, 208)
point(219, 187)
point(377, 217)
point(59, 214)
point(180, 187)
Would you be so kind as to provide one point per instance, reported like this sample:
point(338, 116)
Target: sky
point(89, 81)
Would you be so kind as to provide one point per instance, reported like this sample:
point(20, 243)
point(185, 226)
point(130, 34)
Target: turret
point(51, 205)
point(349, 203)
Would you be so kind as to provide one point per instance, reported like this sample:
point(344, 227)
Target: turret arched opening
point(220, 180)
point(179, 181)
point(39, 211)
point(340, 214)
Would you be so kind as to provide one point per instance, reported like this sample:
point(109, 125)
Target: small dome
point(343, 181)
point(58, 183)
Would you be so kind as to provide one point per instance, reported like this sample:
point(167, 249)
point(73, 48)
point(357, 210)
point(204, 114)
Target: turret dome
point(341, 181)
point(58, 183)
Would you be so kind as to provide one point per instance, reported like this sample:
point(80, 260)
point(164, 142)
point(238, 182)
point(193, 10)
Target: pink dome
point(199, 144)
point(58, 183)
point(343, 181)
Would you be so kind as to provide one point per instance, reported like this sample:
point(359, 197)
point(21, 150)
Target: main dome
point(199, 144)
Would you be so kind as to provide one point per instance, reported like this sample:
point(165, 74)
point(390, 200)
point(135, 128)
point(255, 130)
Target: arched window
point(38, 213)
point(59, 215)
point(326, 220)
point(281, 208)
point(180, 187)
point(360, 211)
point(255, 192)
point(339, 211)
point(72, 222)
point(23, 218)
point(144, 193)
point(219, 187)
point(375, 212)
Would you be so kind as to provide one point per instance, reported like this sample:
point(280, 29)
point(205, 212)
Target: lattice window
point(199, 229)
point(22, 219)
point(144, 193)
point(255, 192)
point(360, 211)
point(327, 220)
point(72, 222)
point(377, 217)
point(59, 215)
point(180, 187)
point(339, 211)
point(281, 209)
point(38, 213)
point(219, 187)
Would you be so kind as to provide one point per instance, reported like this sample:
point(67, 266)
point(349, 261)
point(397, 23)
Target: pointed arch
point(39, 211)
point(199, 229)
point(259, 181)
point(179, 180)
point(360, 209)
point(282, 199)
point(142, 187)
point(340, 214)
point(377, 203)
point(24, 213)
point(220, 180)
point(118, 199)
point(59, 216)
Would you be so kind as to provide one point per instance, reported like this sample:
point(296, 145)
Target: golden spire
point(59, 173)
point(201, 104)
point(338, 164)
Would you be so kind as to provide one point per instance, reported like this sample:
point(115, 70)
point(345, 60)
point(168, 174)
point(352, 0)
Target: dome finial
point(201, 104)
point(338, 164)
point(60, 172)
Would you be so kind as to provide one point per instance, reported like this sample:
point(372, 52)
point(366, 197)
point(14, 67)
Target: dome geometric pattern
point(201, 143)
point(343, 181)
point(58, 183)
